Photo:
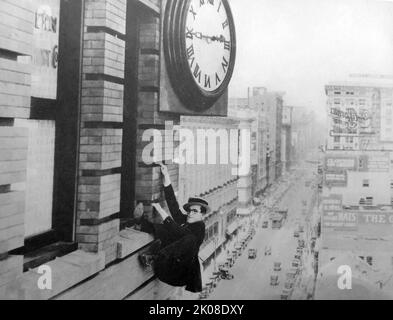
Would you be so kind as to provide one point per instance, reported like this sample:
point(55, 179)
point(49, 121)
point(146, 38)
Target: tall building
point(247, 115)
point(86, 87)
point(306, 133)
point(266, 108)
point(360, 116)
point(356, 206)
point(286, 138)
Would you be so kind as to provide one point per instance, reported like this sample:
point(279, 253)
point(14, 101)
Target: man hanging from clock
point(174, 256)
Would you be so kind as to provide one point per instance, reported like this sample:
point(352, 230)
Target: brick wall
point(148, 179)
point(16, 36)
point(101, 133)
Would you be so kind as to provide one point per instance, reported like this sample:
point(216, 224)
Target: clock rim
point(189, 92)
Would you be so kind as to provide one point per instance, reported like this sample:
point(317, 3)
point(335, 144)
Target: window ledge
point(67, 271)
point(131, 241)
point(151, 5)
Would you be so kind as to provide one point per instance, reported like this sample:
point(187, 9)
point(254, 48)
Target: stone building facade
point(80, 84)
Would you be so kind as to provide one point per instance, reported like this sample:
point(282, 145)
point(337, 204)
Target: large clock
point(200, 50)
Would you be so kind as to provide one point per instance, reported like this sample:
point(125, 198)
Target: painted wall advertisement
point(339, 163)
point(350, 122)
point(336, 179)
point(45, 48)
point(335, 218)
point(375, 162)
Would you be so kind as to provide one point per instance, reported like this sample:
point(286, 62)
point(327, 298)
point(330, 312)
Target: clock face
point(208, 43)
point(200, 50)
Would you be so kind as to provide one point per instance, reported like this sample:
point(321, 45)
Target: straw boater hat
point(197, 202)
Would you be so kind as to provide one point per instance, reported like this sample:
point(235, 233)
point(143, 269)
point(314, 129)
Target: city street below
point(252, 277)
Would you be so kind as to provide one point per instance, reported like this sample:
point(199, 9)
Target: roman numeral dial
point(200, 50)
point(208, 43)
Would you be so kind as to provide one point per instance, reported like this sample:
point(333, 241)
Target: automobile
point(301, 244)
point(265, 224)
point(295, 263)
point(225, 275)
point(292, 274)
point(252, 253)
point(274, 280)
point(288, 285)
point(298, 256)
point(277, 266)
point(268, 251)
point(296, 234)
point(301, 229)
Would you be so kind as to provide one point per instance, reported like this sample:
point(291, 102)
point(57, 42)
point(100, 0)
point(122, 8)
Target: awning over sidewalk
point(208, 251)
point(232, 227)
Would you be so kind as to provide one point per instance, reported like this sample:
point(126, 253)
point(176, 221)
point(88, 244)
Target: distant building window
point(366, 202)
point(369, 201)
point(366, 183)
point(337, 92)
point(337, 139)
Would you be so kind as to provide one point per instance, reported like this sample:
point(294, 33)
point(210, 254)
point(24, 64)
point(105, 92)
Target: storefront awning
point(208, 250)
point(232, 228)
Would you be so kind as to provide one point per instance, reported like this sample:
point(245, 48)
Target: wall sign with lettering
point(45, 51)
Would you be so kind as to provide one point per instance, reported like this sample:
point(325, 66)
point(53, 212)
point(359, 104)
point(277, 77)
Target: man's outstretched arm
point(170, 197)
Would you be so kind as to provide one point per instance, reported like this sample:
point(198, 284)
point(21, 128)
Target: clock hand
point(209, 39)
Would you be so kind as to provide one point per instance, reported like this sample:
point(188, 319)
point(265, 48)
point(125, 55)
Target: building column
point(148, 181)
point(101, 126)
point(16, 40)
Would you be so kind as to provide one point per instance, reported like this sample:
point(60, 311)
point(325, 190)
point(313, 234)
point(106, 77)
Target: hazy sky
point(298, 46)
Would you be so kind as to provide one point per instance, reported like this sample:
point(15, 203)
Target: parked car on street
point(296, 234)
point(295, 263)
point(252, 253)
point(277, 266)
point(288, 285)
point(274, 280)
point(265, 224)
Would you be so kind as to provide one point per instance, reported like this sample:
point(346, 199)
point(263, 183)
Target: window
point(216, 228)
point(337, 139)
point(51, 162)
point(366, 183)
point(369, 201)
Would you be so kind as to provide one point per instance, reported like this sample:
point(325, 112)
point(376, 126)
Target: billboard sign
point(338, 179)
point(45, 48)
point(340, 163)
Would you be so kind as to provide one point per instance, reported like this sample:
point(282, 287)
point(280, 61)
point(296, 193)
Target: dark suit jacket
point(181, 237)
